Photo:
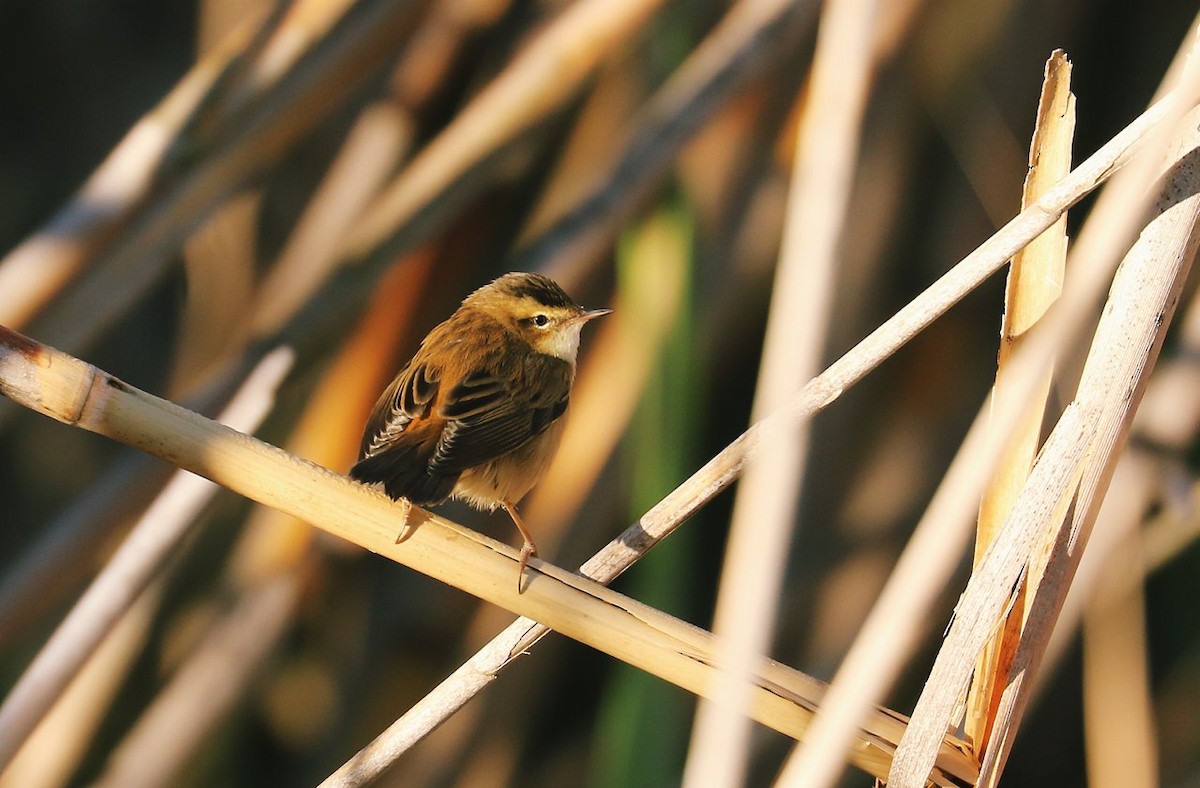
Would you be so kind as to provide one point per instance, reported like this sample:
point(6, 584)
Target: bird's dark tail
point(404, 476)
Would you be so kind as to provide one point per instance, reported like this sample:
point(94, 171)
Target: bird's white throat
point(563, 343)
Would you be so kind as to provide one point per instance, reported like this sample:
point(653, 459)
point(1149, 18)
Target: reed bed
point(888, 554)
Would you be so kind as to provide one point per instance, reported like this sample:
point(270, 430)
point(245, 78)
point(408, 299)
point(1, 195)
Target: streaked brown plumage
point(477, 413)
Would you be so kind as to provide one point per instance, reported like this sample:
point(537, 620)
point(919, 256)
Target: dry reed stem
point(270, 567)
point(1144, 293)
point(1106, 596)
point(545, 73)
point(749, 35)
point(62, 739)
point(764, 510)
point(379, 139)
point(223, 153)
point(1113, 217)
point(156, 536)
point(54, 566)
point(32, 273)
point(126, 488)
point(1034, 283)
point(78, 394)
point(204, 689)
point(1118, 708)
point(1169, 419)
point(219, 267)
point(1046, 496)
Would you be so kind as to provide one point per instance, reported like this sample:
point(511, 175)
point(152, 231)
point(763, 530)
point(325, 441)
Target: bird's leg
point(405, 531)
point(528, 549)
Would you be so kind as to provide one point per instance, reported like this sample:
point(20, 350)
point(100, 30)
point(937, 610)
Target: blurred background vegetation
point(654, 184)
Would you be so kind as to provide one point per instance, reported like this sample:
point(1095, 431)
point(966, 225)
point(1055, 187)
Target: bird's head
point(538, 310)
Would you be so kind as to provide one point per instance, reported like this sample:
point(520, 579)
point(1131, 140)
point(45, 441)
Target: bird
point(478, 412)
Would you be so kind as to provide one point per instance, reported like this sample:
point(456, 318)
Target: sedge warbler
point(477, 414)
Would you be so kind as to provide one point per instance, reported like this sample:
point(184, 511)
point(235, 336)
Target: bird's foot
point(528, 550)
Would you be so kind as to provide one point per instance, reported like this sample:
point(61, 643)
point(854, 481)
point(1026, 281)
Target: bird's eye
point(541, 321)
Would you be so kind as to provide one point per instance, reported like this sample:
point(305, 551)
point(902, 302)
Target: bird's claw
point(405, 531)
point(528, 550)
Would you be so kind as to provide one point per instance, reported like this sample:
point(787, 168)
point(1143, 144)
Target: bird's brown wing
point(410, 396)
point(426, 428)
point(487, 417)
point(402, 434)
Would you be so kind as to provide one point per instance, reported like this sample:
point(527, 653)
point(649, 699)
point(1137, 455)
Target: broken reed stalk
point(1129, 338)
point(1034, 282)
point(1060, 501)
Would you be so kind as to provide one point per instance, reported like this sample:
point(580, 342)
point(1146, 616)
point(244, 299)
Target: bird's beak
point(589, 314)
